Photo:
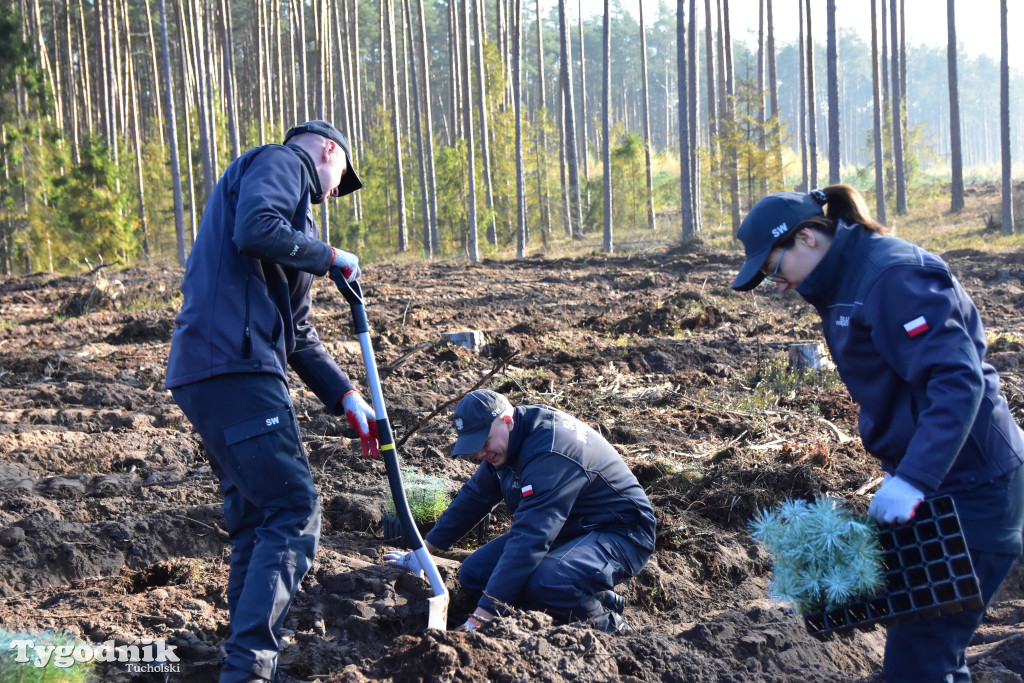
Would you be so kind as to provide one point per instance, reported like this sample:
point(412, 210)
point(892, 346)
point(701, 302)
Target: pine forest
point(479, 129)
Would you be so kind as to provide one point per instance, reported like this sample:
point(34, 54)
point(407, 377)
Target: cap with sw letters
point(771, 219)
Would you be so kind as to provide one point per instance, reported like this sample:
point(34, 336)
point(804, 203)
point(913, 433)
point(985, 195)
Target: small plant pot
point(394, 534)
point(928, 572)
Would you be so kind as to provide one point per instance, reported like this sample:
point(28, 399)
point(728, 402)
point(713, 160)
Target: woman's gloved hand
point(895, 502)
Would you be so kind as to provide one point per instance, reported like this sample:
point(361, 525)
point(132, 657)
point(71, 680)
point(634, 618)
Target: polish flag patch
point(527, 490)
point(916, 326)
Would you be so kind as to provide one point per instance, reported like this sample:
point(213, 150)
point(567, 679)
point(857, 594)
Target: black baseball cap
point(771, 219)
point(473, 418)
point(350, 181)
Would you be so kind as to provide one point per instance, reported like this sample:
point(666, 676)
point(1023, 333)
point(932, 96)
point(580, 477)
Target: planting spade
point(438, 605)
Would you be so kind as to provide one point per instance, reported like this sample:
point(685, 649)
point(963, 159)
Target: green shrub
point(59, 667)
point(428, 496)
point(823, 556)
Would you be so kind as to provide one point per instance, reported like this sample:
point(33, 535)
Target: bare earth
point(110, 522)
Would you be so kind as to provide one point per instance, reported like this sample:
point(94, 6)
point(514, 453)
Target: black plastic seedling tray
point(928, 571)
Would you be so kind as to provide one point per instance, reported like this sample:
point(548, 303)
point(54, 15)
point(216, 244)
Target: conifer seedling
point(823, 557)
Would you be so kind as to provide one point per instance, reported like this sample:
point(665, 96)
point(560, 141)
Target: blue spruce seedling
point(823, 557)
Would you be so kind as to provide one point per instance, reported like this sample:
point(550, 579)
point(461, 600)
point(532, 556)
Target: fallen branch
point(842, 436)
point(499, 365)
point(390, 367)
point(868, 486)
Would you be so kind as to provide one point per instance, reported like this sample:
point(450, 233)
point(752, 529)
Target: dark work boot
point(611, 600)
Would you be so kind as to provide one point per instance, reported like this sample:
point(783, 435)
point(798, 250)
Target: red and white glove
point(895, 502)
point(348, 262)
point(363, 420)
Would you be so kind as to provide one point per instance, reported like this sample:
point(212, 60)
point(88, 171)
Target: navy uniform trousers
point(271, 507)
point(933, 649)
point(567, 578)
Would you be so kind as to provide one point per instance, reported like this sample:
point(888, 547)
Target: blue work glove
point(363, 420)
point(895, 502)
point(407, 561)
point(348, 262)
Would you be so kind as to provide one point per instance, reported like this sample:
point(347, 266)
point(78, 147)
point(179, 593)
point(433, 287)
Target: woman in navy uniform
point(909, 344)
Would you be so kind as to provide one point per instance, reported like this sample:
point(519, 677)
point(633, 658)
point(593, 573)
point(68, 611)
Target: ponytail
point(845, 203)
point(842, 203)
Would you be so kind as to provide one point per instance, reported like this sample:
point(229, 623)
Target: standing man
point(244, 319)
point(581, 521)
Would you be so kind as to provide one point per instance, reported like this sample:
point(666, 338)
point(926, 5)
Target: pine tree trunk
point(761, 57)
point(172, 136)
point(564, 187)
point(544, 196)
point(834, 140)
point(646, 116)
point(897, 116)
point(279, 74)
point(709, 49)
point(73, 87)
point(228, 41)
point(956, 158)
point(517, 104)
point(183, 63)
point(689, 230)
point(583, 108)
point(428, 249)
point(571, 155)
point(877, 118)
point(455, 59)
point(156, 77)
point(203, 103)
point(467, 128)
point(392, 68)
point(300, 29)
point(106, 115)
point(137, 121)
point(812, 122)
point(692, 97)
point(435, 237)
point(293, 27)
point(730, 122)
point(261, 69)
point(485, 147)
point(84, 70)
point(773, 86)
point(805, 179)
point(1004, 120)
point(606, 105)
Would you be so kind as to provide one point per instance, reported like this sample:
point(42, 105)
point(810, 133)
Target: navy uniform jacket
point(247, 280)
point(908, 343)
point(561, 480)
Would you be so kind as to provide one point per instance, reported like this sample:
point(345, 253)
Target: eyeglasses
point(775, 277)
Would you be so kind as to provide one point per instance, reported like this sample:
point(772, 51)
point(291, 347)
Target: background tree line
point(117, 117)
